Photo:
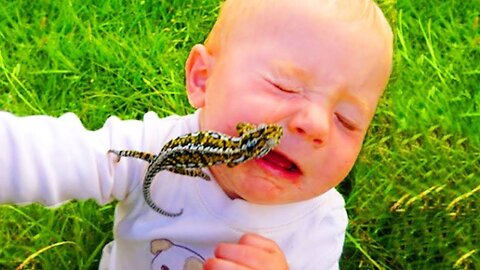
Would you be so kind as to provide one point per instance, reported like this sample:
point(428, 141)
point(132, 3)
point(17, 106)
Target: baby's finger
point(220, 264)
point(255, 240)
point(248, 256)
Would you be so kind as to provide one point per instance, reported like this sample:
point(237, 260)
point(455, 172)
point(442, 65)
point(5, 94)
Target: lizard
point(189, 153)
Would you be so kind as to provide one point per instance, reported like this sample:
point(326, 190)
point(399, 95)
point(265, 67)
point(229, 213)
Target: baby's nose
point(313, 124)
point(318, 140)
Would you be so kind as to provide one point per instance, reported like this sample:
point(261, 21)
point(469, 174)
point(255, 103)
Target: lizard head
point(257, 141)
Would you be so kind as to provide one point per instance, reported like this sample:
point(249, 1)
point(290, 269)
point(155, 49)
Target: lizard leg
point(131, 153)
point(193, 172)
point(243, 128)
point(237, 161)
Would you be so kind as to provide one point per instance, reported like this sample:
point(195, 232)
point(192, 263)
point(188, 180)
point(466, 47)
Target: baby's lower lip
point(279, 171)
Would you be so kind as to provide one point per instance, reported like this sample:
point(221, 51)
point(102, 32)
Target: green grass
point(412, 198)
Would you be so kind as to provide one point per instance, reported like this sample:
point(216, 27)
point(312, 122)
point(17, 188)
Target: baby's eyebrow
point(290, 70)
point(363, 106)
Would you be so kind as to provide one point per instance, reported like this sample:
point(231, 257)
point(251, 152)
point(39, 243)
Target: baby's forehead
point(347, 10)
point(238, 16)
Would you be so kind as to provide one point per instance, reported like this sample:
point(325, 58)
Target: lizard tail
point(150, 174)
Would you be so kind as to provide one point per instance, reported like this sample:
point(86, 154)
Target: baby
point(315, 67)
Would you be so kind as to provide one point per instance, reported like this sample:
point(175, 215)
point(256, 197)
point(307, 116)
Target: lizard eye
point(251, 144)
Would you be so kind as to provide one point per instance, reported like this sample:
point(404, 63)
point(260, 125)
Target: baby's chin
point(251, 183)
point(271, 191)
point(263, 190)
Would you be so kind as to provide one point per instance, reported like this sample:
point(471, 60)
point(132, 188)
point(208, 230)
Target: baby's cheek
point(348, 158)
point(336, 166)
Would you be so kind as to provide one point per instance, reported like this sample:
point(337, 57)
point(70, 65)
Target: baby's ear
point(197, 69)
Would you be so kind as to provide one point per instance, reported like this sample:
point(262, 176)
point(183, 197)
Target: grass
point(412, 198)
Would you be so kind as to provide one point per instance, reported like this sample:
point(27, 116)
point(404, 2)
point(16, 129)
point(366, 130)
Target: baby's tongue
point(279, 160)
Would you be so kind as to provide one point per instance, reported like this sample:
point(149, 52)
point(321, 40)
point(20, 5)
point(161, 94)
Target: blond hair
point(237, 13)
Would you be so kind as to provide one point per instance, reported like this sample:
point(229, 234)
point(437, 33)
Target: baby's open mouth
point(282, 162)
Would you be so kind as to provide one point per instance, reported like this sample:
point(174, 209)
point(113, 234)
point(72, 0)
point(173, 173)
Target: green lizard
point(189, 153)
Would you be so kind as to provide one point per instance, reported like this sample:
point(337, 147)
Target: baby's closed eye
point(287, 88)
point(284, 84)
point(350, 116)
point(346, 122)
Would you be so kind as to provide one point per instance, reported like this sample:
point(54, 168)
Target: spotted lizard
point(189, 153)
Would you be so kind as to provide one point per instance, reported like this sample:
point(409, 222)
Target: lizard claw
point(116, 153)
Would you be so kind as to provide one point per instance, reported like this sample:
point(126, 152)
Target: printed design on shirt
point(172, 256)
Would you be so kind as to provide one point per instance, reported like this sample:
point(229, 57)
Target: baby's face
point(320, 80)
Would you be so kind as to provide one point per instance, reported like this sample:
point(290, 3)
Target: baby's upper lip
point(282, 160)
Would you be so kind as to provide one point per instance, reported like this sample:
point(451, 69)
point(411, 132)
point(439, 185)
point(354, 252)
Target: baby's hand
point(251, 252)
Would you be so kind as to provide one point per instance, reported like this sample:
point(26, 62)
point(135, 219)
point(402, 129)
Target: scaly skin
point(189, 153)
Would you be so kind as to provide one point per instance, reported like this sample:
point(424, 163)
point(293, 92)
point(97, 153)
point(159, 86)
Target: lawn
point(412, 197)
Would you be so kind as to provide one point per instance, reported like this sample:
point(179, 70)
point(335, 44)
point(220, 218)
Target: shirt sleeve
point(52, 160)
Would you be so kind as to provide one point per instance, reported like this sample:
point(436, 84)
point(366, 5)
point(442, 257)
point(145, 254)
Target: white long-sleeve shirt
point(53, 160)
